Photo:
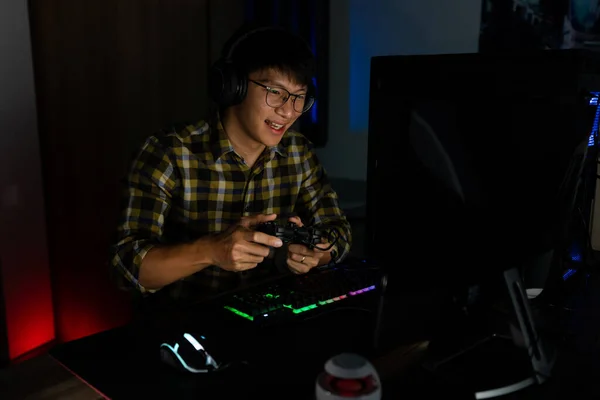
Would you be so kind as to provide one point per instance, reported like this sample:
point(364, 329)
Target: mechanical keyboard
point(304, 294)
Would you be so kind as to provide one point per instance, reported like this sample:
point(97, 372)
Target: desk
point(43, 378)
point(286, 361)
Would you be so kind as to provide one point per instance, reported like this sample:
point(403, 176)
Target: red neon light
point(27, 301)
point(89, 304)
point(85, 301)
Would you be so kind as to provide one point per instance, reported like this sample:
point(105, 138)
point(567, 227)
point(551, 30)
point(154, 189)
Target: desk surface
point(121, 364)
point(44, 378)
point(286, 360)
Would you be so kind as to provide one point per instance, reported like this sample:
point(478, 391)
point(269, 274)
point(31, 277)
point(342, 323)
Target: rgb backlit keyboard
point(299, 295)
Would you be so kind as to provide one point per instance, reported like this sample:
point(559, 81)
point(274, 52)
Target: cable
point(331, 242)
point(334, 234)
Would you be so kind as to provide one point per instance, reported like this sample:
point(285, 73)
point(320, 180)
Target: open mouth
point(275, 126)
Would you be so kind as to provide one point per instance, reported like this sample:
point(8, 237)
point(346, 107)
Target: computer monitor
point(474, 163)
point(474, 160)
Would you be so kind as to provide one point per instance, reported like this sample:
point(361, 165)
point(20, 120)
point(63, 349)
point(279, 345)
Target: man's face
point(266, 123)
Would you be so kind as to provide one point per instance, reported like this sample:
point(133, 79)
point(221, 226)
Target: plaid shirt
point(189, 182)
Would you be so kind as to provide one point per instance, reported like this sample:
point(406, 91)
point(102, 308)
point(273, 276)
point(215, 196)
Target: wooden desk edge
point(44, 378)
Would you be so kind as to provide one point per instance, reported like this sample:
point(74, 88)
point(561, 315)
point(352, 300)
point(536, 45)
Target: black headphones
point(228, 85)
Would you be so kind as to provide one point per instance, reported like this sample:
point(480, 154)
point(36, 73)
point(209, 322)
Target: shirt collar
point(219, 142)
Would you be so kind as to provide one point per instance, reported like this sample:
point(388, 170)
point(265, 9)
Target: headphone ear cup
point(217, 82)
point(241, 85)
point(226, 86)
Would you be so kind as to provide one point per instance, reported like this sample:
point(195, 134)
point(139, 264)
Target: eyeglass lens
point(278, 97)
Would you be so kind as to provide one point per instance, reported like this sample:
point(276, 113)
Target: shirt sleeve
point(147, 201)
point(318, 206)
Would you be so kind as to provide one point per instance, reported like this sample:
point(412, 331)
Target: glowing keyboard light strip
point(308, 307)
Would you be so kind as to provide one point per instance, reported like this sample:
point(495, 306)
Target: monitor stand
point(488, 363)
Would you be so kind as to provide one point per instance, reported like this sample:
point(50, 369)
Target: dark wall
point(108, 74)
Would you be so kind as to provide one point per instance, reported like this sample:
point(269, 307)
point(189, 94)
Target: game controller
point(291, 233)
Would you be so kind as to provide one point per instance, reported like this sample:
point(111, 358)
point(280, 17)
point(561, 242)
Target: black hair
point(275, 48)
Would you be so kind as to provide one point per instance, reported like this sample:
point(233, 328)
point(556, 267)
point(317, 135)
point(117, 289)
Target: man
point(195, 193)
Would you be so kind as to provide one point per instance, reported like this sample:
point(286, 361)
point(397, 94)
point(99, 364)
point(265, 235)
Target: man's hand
point(301, 259)
point(240, 248)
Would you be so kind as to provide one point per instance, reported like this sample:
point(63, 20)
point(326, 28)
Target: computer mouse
point(189, 353)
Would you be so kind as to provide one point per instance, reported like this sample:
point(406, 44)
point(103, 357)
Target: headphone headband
point(231, 48)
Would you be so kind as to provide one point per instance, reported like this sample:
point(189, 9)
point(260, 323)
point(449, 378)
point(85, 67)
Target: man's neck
point(243, 144)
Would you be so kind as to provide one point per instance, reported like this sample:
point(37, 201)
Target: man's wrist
point(205, 249)
point(325, 259)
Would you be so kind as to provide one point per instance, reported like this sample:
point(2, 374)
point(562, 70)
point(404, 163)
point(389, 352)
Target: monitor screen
point(474, 160)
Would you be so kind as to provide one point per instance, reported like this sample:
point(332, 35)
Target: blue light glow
point(575, 252)
point(568, 274)
point(361, 42)
point(313, 110)
point(594, 133)
point(313, 46)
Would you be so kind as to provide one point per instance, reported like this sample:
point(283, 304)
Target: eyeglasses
point(277, 97)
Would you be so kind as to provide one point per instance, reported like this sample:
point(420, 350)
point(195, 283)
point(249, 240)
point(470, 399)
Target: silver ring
point(303, 258)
